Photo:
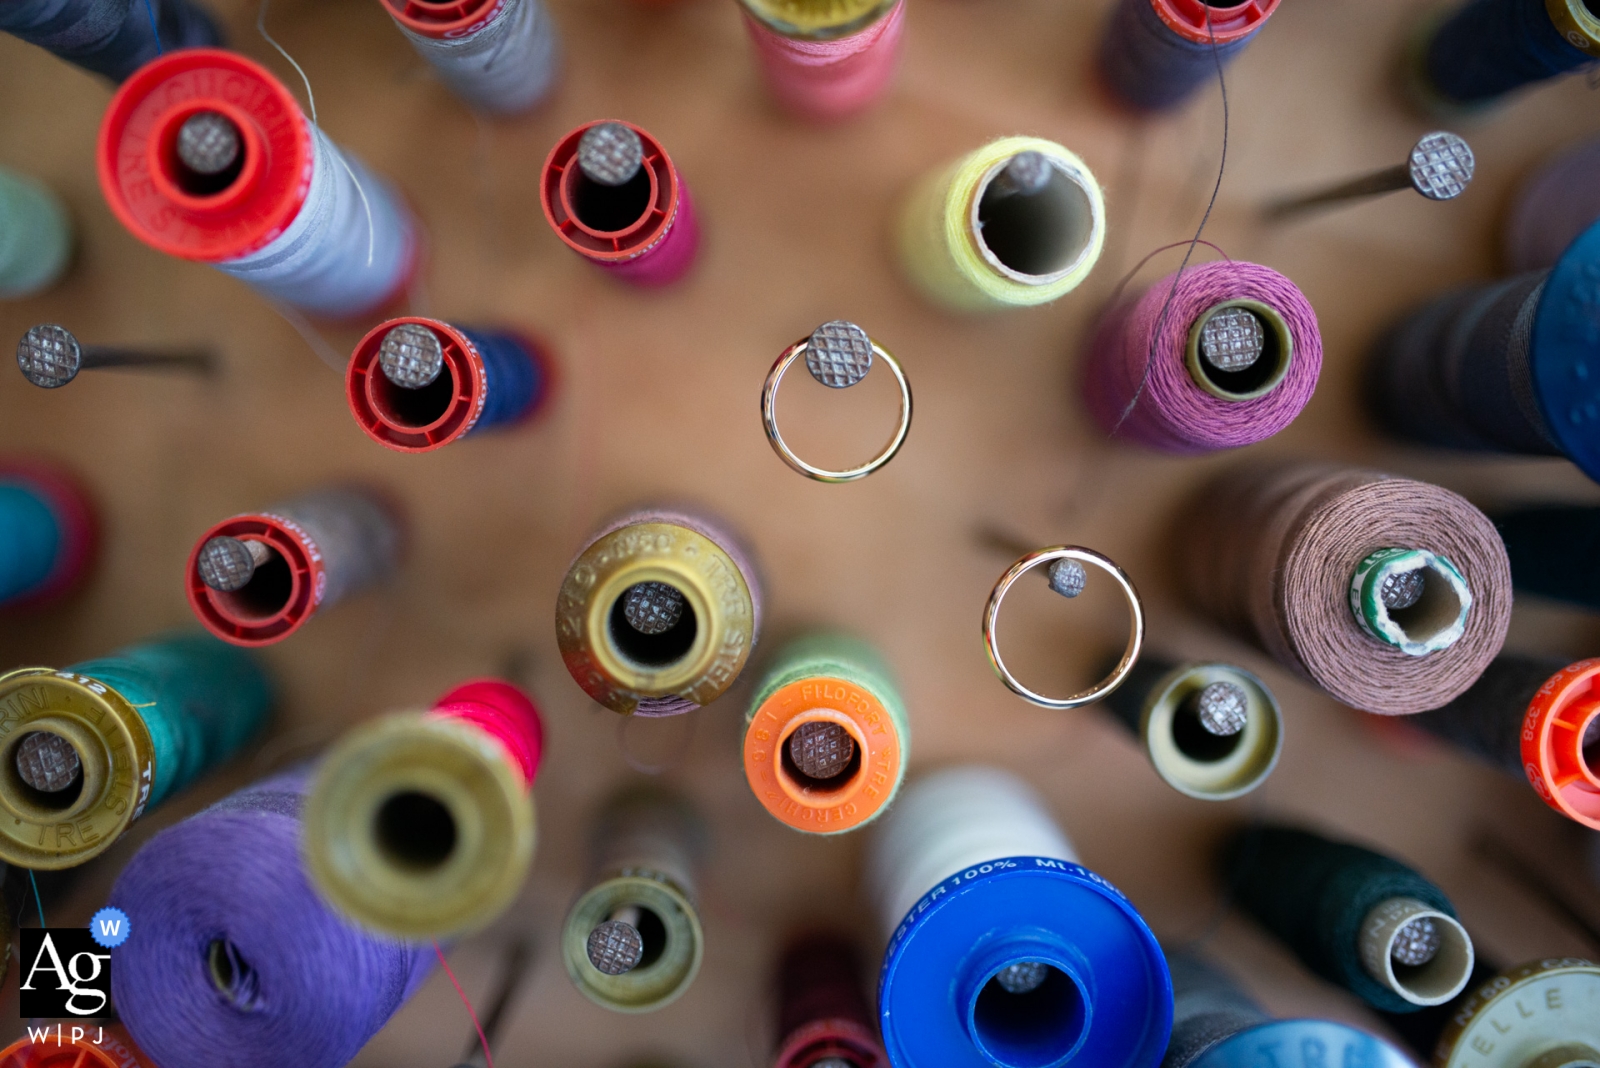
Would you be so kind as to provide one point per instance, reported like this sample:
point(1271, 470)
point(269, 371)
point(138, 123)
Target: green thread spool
point(142, 724)
point(829, 691)
point(35, 236)
point(1345, 912)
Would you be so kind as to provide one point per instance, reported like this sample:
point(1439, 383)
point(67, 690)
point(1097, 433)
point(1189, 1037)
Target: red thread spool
point(821, 1010)
point(656, 247)
point(1562, 770)
point(74, 511)
point(505, 714)
point(1188, 19)
point(829, 79)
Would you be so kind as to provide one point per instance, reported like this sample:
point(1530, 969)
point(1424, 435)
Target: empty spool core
point(652, 650)
point(207, 154)
point(414, 408)
point(414, 831)
point(265, 595)
point(1245, 383)
point(1433, 982)
point(1033, 237)
point(232, 975)
point(1038, 1026)
point(1424, 621)
point(611, 208)
point(47, 772)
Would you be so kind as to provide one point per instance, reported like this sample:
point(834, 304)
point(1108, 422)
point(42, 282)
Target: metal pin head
point(821, 750)
point(228, 564)
point(610, 154)
point(839, 354)
point(49, 356)
point(1232, 339)
point(1221, 708)
point(1402, 589)
point(47, 762)
point(1026, 172)
point(1067, 577)
point(1441, 166)
point(208, 143)
point(1416, 943)
point(1022, 977)
point(615, 948)
point(411, 356)
point(652, 607)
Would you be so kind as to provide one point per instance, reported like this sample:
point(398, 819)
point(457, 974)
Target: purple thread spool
point(1554, 205)
point(1187, 403)
point(236, 960)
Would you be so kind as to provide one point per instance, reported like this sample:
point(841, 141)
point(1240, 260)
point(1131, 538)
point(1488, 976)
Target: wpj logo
point(67, 973)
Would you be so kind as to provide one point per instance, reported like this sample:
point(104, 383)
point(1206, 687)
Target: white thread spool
point(503, 64)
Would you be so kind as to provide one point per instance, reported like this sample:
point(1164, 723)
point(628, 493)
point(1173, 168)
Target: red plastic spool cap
point(558, 187)
point(820, 1039)
point(1229, 22)
point(142, 179)
point(446, 21)
point(114, 1049)
point(1560, 715)
point(416, 420)
point(74, 511)
point(277, 601)
point(503, 712)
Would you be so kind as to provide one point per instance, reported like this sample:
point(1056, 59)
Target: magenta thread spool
point(828, 67)
point(1230, 359)
point(1554, 205)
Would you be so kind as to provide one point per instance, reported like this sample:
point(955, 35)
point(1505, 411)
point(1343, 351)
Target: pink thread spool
point(1554, 205)
point(828, 72)
point(1188, 403)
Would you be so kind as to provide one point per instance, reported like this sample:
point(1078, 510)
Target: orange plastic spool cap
point(1561, 742)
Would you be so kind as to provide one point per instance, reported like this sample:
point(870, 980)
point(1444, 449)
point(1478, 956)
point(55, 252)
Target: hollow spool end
point(1265, 374)
point(282, 593)
point(1561, 717)
point(1434, 982)
point(669, 925)
point(1560, 1009)
point(445, 20)
point(419, 827)
point(595, 225)
point(807, 20)
point(1436, 620)
point(1301, 1044)
point(423, 419)
point(1199, 764)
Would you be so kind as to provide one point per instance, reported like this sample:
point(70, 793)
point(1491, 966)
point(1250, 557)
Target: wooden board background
point(659, 400)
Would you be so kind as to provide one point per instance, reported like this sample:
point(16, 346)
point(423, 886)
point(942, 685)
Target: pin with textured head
point(1440, 167)
point(821, 750)
point(1222, 708)
point(1023, 977)
point(209, 144)
point(616, 947)
point(48, 762)
point(411, 356)
point(228, 564)
point(1232, 339)
point(610, 154)
point(50, 356)
point(652, 607)
point(1027, 173)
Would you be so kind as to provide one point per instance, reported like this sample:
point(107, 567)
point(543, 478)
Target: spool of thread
point(35, 234)
point(256, 578)
point(1552, 548)
point(421, 825)
point(1002, 950)
point(632, 941)
point(826, 62)
point(642, 231)
point(1544, 1014)
point(1553, 206)
point(1236, 359)
point(415, 384)
point(242, 180)
point(82, 1044)
point(969, 240)
point(1359, 919)
point(235, 951)
point(1420, 1030)
point(1157, 52)
point(110, 37)
point(822, 1012)
point(1391, 595)
point(1486, 720)
point(1211, 731)
point(826, 736)
point(86, 750)
point(48, 532)
point(1501, 367)
point(659, 612)
point(500, 57)
point(1488, 48)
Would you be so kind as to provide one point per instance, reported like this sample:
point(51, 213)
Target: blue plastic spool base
point(1108, 1003)
point(1565, 352)
point(1302, 1044)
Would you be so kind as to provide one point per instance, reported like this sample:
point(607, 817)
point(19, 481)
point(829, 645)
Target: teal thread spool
point(84, 751)
point(47, 532)
point(35, 236)
point(826, 736)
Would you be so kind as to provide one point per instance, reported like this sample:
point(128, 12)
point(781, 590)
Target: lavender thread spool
point(1232, 359)
point(1554, 205)
point(112, 38)
point(237, 953)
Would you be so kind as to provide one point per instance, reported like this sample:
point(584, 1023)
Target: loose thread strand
point(155, 29)
point(488, 1058)
point(38, 902)
point(261, 27)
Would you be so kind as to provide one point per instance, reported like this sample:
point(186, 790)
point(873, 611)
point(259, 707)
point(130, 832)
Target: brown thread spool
point(1269, 551)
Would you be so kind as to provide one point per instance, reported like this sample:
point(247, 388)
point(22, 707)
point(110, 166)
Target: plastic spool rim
point(365, 384)
point(1552, 742)
point(1238, 773)
point(1517, 1038)
point(1282, 349)
point(803, 22)
point(1434, 983)
point(649, 987)
point(1301, 1044)
point(445, 21)
point(1187, 19)
point(559, 177)
point(1578, 26)
point(216, 609)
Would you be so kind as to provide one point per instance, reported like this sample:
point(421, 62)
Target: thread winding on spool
point(256, 578)
point(1236, 359)
point(826, 736)
point(1501, 367)
point(1019, 221)
point(1553, 206)
point(1545, 1014)
point(1157, 52)
point(1211, 731)
point(659, 613)
point(254, 188)
point(1552, 549)
point(1358, 919)
point(632, 941)
point(826, 62)
point(35, 235)
point(416, 384)
point(88, 749)
point(612, 195)
point(422, 825)
point(49, 535)
point(112, 38)
point(1271, 552)
point(823, 1016)
point(500, 57)
point(1488, 48)
point(236, 951)
point(1003, 950)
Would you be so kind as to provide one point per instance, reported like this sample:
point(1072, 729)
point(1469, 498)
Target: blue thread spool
point(1004, 952)
point(47, 533)
point(114, 39)
point(1488, 48)
point(1156, 52)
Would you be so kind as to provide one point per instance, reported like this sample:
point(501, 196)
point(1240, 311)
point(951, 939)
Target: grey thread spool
point(1207, 1007)
point(1486, 721)
point(505, 65)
